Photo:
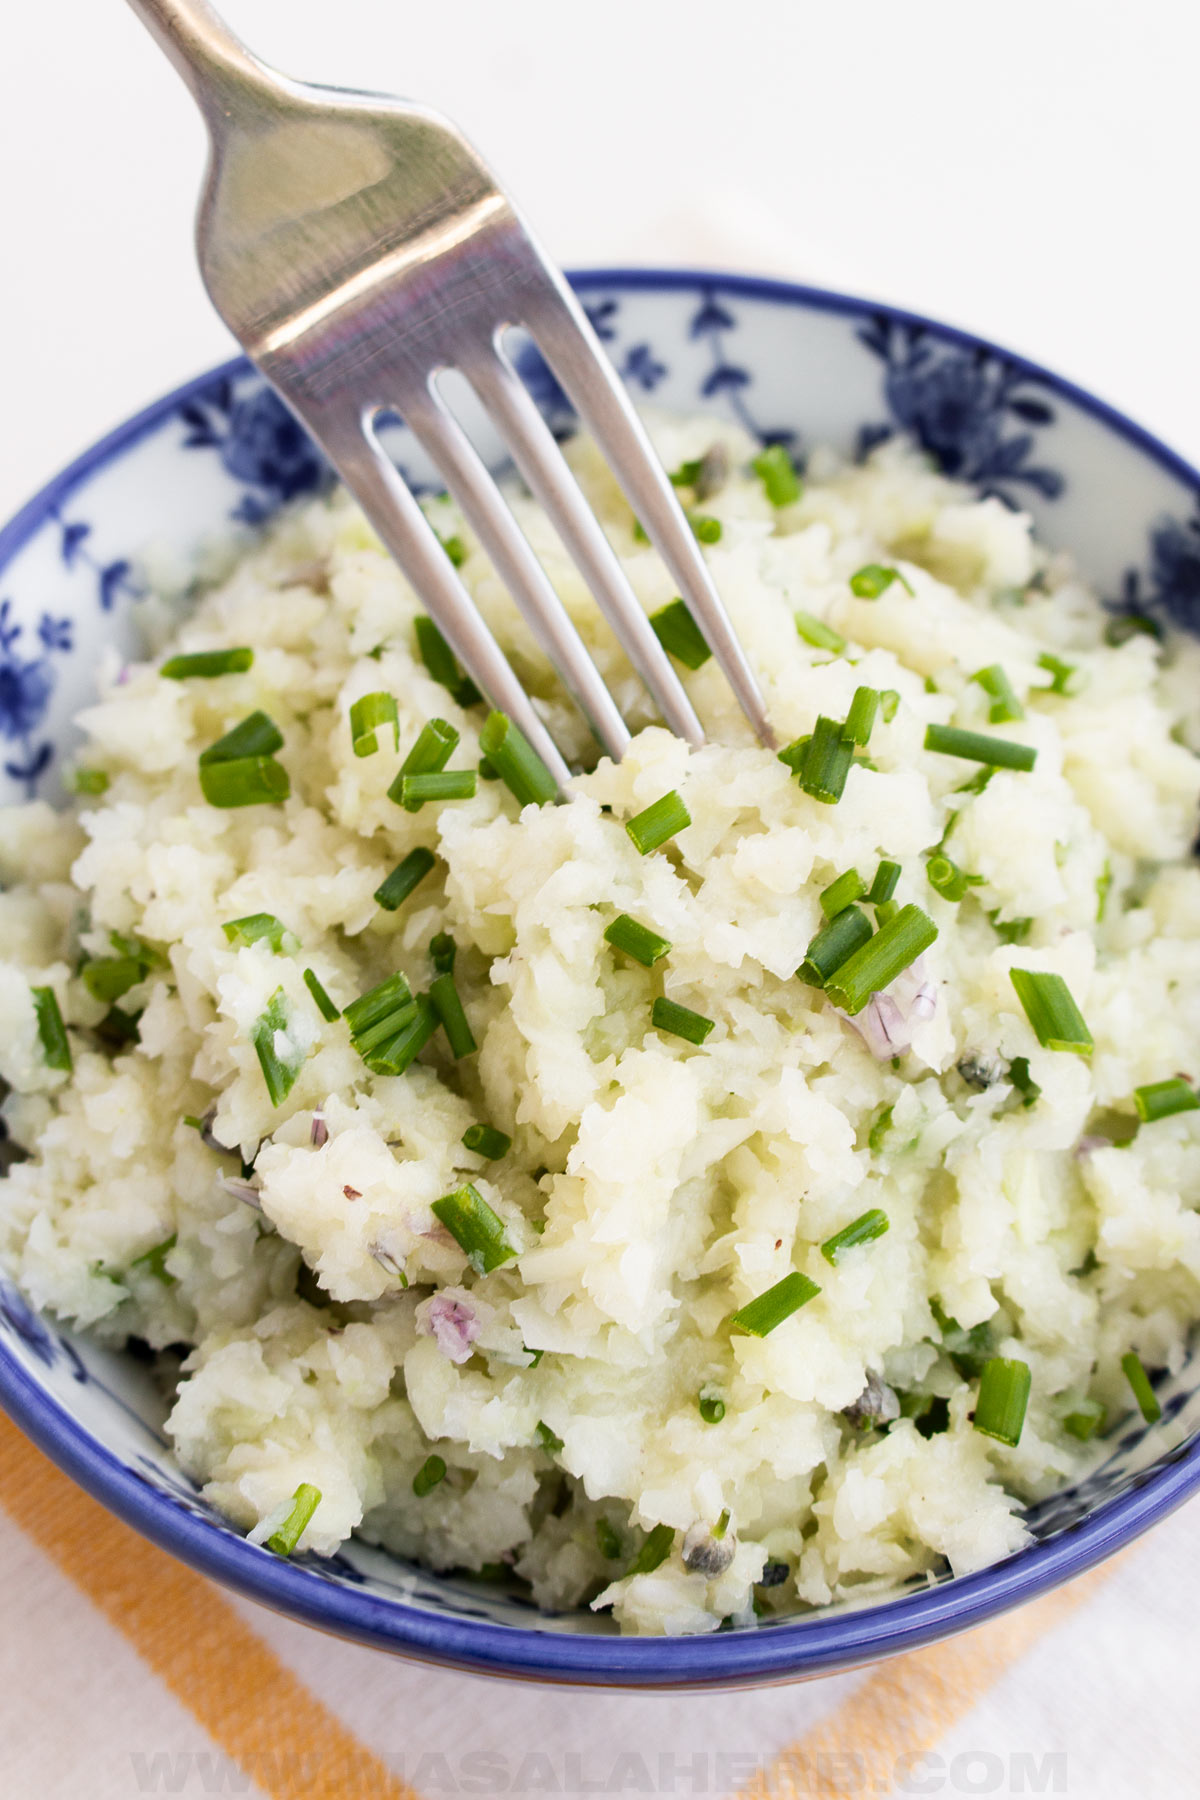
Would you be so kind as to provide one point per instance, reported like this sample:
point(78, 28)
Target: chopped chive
point(842, 893)
point(89, 781)
point(974, 784)
point(486, 771)
point(816, 632)
point(640, 534)
point(1010, 931)
point(947, 879)
point(285, 1537)
point(154, 1261)
point(368, 1038)
point(792, 755)
point(256, 735)
point(1051, 1011)
point(1022, 1080)
point(56, 1046)
point(833, 945)
point(881, 1124)
point(607, 1541)
point(711, 1407)
point(244, 781)
point(1085, 1420)
point(449, 1008)
point(777, 472)
point(1065, 678)
point(884, 885)
point(516, 762)
point(688, 472)
point(455, 549)
point(367, 717)
point(826, 763)
point(885, 911)
point(654, 1552)
point(439, 660)
point(1004, 703)
point(439, 784)
point(657, 823)
point(1143, 1393)
point(433, 749)
point(442, 952)
point(261, 928)
point(874, 579)
point(1161, 1099)
point(706, 529)
point(645, 946)
point(889, 704)
point(1103, 884)
point(328, 1011)
point(106, 978)
point(549, 1440)
point(679, 635)
point(1128, 625)
point(680, 1021)
point(1003, 1396)
point(412, 869)
point(977, 746)
point(876, 965)
point(431, 1472)
point(413, 1032)
point(117, 1027)
point(871, 1224)
point(722, 1524)
point(475, 1228)
point(762, 1315)
point(486, 1141)
point(279, 1069)
point(860, 720)
point(377, 1003)
point(208, 663)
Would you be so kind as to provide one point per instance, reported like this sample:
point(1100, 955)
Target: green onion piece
point(244, 781)
point(443, 784)
point(762, 1315)
point(439, 660)
point(455, 549)
point(707, 530)
point(679, 635)
point(106, 978)
point(711, 1406)
point(429, 755)
point(1051, 1011)
point(442, 952)
point(886, 911)
point(261, 927)
point(777, 472)
point(816, 632)
point(372, 1039)
point(977, 746)
point(1010, 931)
point(884, 885)
point(833, 945)
point(516, 762)
point(305, 1502)
point(56, 1046)
point(394, 1055)
point(1085, 1421)
point(449, 1009)
point(1065, 678)
point(328, 1011)
point(192, 1122)
point(427, 1477)
point(871, 1224)
point(256, 735)
point(654, 1552)
point(680, 1021)
point(1022, 1080)
point(880, 1126)
point(688, 472)
point(974, 785)
point(793, 755)
point(874, 579)
point(154, 1261)
point(645, 946)
point(89, 781)
point(826, 762)
point(842, 893)
point(607, 1541)
point(549, 1440)
point(208, 662)
point(1004, 703)
point(1143, 1393)
point(722, 1524)
point(487, 1142)
point(860, 720)
point(475, 1228)
point(657, 823)
point(376, 1004)
point(367, 717)
point(1160, 1099)
point(279, 1072)
point(874, 967)
point(640, 534)
point(947, 879)
point(889, 704)
point(1103, 884)
point(394, 890)
point(1003, 1396)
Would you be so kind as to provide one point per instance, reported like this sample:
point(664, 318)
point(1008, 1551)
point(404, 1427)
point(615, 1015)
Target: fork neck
point(215, 64)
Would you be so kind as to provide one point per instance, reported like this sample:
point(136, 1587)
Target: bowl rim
point(810, 1645)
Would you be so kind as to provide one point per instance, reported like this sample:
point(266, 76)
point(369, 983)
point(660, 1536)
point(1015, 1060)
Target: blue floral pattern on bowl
point(793, 366)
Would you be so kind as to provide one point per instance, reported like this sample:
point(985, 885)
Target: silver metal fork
point(357, 247)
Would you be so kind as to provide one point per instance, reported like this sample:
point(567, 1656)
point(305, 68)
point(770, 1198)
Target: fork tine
point(384, 496)
point(468, 479)
point(545, 470)
point(556, 321)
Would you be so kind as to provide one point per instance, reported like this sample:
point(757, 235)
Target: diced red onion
point(452, 1323)
point(318, 1131)
point(1086, 1145)
point(242, 1190)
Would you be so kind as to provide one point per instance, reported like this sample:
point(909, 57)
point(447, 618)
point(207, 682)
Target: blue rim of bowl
point(816, 1644)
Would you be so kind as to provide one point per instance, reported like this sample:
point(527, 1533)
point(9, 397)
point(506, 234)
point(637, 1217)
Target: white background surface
point(1029, 170)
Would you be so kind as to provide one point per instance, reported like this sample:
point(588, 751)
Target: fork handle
point(213, 62)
